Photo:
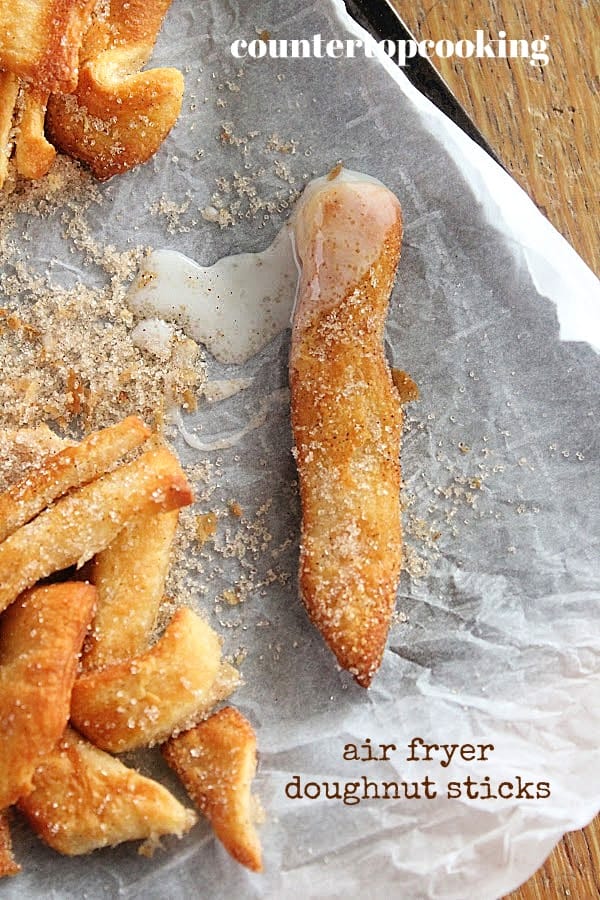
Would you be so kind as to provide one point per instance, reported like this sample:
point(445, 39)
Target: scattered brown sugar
point(333, 173)
point(250, 156)
point(172, 214)
point(22, 449)
point(231, 597)
point(206, 527)
point(243, 543)
point(67, 355)
point(406, 387)
point(276, 144)
point(415, 565)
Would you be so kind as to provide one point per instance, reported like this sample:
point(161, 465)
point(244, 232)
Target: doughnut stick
point(84, 799)
point(118, 116)
point(130, 578)
point(70, 468)
point(86, 521)
point(33, 153)
point(40, 642)
point(142, 701)
point(216, 762)
point(9, 90)
point(8, 864)
point(347, 417)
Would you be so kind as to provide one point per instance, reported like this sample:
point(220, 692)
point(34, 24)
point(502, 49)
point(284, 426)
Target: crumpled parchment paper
point(497, 641)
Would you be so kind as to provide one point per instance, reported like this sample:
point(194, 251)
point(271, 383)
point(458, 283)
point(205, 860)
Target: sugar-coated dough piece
point(9, 90)
point(347, 418)
point(216, 761)
point(85, 522)
point(143, 700)
point(22, 114)
point(130, 578)
point(84, 799)
point(118, 116)
point(69, 468)
point(34, 154)
point(40, 642)
point(40, 40)
point(8, 864)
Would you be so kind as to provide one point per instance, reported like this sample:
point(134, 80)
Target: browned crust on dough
point(50, 59)
point(133, 23)
point(9, 90)
point(216, 761)
point(33, 153)
point(40, 643)
point(347, 422)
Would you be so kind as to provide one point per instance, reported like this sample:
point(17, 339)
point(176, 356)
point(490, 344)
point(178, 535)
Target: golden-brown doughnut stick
point(40, 642)
point(347, 417)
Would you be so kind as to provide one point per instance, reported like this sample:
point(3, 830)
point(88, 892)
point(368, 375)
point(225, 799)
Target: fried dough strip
point(86, 521)
point(8, 864)
point(83, 799)
point(40, 641)
point(40, 40)
point(118, 117)
point(67, 469)
point(142, 701)
point(130, 578)
point(347, 418)
point(9, 90)
point(33, 153)
point(216, 761)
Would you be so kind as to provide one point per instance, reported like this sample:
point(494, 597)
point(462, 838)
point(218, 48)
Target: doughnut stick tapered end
point(216, 761)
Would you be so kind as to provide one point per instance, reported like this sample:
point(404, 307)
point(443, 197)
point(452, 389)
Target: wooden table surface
point(544, 124)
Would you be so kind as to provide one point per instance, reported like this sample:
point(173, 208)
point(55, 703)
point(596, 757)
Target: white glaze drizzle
point(238, 305)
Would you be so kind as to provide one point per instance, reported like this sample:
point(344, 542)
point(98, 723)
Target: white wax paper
point(497, 642)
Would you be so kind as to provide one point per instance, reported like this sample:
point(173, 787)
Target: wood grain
point(543, 122)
